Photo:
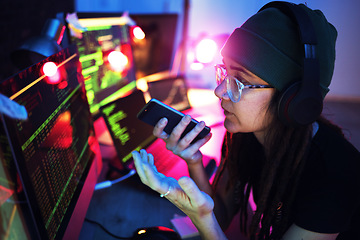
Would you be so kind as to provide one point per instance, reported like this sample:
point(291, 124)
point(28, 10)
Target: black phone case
point(154, 110)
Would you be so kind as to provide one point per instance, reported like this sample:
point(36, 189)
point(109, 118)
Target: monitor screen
point(55, 147)
point(12, 215)
point(106, 57)
point(155, 53)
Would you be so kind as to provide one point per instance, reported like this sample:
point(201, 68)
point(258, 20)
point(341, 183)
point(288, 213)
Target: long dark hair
point(272, 170)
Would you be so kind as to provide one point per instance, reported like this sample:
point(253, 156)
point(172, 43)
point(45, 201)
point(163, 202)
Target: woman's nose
point(221, 91)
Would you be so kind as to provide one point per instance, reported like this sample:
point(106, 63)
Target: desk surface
point(129, 205)
point(125, 207)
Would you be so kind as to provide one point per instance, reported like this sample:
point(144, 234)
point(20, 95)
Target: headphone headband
point(301, 103)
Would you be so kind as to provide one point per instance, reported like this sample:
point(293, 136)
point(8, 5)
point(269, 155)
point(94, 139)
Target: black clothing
point(328, 196)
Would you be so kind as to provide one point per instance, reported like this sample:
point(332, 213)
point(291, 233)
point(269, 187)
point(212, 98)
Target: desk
point(129, 205)
point(125, 207)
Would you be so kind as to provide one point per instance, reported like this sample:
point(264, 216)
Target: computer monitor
point(106, 57)
point(12, 214)
point(52, 159)
point(157, 51)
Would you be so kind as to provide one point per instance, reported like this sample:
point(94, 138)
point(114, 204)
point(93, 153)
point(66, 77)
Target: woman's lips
point(226, 112)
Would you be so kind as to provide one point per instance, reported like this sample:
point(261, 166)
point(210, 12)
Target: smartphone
point(154, 110)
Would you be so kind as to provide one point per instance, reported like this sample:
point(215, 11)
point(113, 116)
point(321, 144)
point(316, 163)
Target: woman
point(303, 179)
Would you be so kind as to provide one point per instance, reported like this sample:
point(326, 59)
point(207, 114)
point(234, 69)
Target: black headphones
point(301, 103)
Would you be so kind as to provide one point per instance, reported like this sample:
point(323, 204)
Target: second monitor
point(106, 57)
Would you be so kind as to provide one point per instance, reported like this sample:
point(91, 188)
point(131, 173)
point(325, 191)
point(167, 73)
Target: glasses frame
point(221, 75)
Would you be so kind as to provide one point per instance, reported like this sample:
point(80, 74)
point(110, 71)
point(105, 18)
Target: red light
point(138, 33)
point(49, 69)
point(62, 85)
point(61, 35)
point(118, 61)
point(5, 194)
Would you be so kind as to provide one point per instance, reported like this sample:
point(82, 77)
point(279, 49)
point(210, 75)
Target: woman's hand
point(183, 147)
point(183, 193)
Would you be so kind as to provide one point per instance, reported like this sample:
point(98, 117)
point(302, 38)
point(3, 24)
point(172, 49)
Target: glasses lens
point(219, 71)
point(234, 88)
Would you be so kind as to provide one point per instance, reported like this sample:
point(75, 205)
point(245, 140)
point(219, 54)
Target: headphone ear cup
point(285, 103)
point(299, 106)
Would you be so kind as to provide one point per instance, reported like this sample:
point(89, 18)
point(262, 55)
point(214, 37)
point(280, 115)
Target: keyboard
point(164, 159)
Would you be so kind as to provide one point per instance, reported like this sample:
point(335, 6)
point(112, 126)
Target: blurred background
point(206, 18)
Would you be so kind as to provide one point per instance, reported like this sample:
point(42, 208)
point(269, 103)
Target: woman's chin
point(230, 126)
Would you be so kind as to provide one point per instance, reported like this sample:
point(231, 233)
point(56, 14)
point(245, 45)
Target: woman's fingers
point(178, 131)
point(190, 188)
point(148, 174)
point(158, 130)
point(187, 151)
point(181, 147)
point(183, 193)
point(190, 136)
point(157, 181)
point(139, 165)
point(198, 198)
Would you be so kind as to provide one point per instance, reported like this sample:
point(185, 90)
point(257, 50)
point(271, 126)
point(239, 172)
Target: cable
point(109, 183)
point(105, 230)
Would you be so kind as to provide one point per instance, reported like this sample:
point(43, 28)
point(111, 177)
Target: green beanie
point(268, 44)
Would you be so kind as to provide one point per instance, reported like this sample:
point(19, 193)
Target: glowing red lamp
point(118, 61)
point(138, 33)
point(50, 70)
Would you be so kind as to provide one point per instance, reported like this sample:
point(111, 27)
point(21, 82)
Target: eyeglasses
point(233, 86)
